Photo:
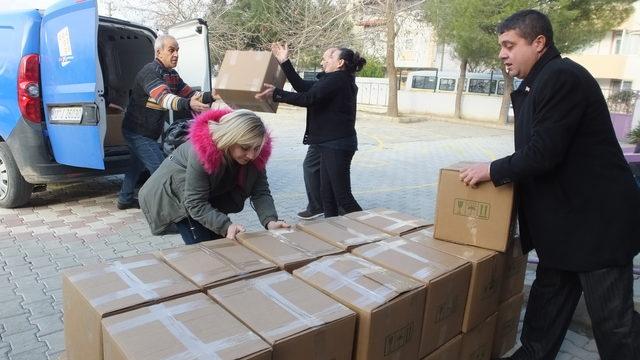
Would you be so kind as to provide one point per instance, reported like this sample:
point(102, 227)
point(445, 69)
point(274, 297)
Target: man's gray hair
point(159, 44)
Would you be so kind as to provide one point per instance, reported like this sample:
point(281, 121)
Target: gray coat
point(197, 181)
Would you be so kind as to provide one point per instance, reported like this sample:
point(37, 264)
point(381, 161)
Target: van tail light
point(29, 98)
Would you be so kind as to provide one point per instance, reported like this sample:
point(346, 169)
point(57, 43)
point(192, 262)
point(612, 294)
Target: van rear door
point(193, 64)
point(72, 84)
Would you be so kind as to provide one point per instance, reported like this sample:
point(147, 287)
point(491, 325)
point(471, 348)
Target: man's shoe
point(128, 205)
point(308, 215)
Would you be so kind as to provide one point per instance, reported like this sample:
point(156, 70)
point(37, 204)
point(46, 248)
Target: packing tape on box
point(396, 245)
point(359, 237)
point(279, 235)
point(264, 285)
point(135, 285)
point(368, 214)
point(239, 269)
point(368, 296)
point(196, 348)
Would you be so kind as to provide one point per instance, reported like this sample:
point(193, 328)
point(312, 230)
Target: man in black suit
point(578, 205)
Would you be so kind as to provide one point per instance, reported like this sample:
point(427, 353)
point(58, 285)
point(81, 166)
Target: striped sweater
point(156, 90)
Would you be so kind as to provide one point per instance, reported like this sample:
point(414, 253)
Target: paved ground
point(73, 224)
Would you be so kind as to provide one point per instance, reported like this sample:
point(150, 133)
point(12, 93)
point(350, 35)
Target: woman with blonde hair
point(211, 175)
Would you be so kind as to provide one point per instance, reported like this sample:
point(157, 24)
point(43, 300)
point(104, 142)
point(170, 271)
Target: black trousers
point(553, 299)
point(335, 181)
point(193, 232)
point(311, 172)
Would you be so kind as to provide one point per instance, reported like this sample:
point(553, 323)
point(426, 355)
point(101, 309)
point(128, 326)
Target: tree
point(388, 15)
point(309, 26)
point(470, 26)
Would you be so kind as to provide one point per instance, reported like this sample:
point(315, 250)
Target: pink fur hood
point(210, 156)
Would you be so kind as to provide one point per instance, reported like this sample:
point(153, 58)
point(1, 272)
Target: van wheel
point(14, 190)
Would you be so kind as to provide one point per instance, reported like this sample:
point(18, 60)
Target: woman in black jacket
point(331, 118)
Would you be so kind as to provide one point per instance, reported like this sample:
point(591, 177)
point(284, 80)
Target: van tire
point(15, 191)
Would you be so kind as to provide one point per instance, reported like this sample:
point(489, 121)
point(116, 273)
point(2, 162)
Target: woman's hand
point(266, 93)
point(233, 230)
point(281, 52)
point(278, 224)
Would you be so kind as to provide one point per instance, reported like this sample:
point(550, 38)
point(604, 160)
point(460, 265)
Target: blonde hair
point(242, 127)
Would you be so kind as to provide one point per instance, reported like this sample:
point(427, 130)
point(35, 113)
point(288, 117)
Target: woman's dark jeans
point(193, 232)
point(335, 181)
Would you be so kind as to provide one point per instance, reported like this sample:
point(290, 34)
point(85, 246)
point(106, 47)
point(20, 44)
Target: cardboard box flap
point(193, 327)
point(410, 258)
point(342, 231)
point(389, 221)
point(278, 306)
point(126, 283)
point(471, 253)
point(214, 261)
point(287, 245)
point(356, 281)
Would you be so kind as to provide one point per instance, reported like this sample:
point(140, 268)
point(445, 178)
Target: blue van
point(65, 78)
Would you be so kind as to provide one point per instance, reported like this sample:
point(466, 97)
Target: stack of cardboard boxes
point(375, 284)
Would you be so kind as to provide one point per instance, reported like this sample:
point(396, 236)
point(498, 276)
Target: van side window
point(447, 84)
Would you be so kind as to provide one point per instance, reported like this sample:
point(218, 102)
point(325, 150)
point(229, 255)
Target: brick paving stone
point(42, 308)
point(32, 294)
point(55, 341)
point(23, 341)
point(53, 282)
point(35, 353)
point(17, 324)
point(48, 324)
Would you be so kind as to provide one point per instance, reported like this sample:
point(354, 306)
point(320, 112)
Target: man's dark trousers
point(553, 299)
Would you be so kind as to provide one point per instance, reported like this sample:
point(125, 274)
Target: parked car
point(65, 78)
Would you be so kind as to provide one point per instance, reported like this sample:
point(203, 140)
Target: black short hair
point(530, 24)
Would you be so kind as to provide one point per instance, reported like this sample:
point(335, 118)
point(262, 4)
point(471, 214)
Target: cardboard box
point(342, 232)
point(192, 327)
point(390, 221)
point(507, 325)
point(446, 277)
point(515, 269)
point(486, 276)
point(293, 317)
point(389, 305)
point(474, 216)
point(288, 248)
point(92, 293)
point(242, 75)
point(477, 343)
point(448, 351)
point(217, 262)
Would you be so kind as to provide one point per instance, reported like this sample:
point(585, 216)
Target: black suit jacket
point(578, 205)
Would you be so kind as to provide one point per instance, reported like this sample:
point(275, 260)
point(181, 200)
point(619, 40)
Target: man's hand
point(266, 93)
point(233, 230)
point(475, 174)
point(281, 52)
point(278, 224)
point(198, 106)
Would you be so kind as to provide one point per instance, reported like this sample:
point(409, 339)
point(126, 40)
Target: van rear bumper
point(37, 166)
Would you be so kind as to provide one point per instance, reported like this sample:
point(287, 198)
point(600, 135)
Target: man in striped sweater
point(157, 89)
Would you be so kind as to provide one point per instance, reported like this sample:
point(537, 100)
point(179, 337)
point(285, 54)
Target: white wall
point(372, 91)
